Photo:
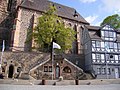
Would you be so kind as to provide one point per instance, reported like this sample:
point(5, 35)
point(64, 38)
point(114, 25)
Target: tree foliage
point(50, 27)
point(113, 20)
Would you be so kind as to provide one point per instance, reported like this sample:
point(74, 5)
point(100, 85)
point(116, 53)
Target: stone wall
point(39, 72)
point(27, 20)
point(23, 60)
point(3, 10)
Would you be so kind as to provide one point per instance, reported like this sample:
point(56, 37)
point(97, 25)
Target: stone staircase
point(39, 61)
point(29, 60)
point(77, 59)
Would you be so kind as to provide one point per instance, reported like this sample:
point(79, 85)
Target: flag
point(3, 46)
point(55, 45)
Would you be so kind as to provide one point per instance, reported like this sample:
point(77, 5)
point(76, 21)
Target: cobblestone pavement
point(68, 87)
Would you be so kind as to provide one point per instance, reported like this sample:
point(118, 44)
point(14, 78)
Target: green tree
point(113, 20)
point(51, 27)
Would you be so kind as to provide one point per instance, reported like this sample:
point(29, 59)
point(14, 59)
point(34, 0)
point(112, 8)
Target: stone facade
point(21, 17)
point(61, 68)
point(38, 66)
point(27, 19)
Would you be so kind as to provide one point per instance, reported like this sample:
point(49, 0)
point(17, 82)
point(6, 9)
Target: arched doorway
point(11, 70)
point(57, 74)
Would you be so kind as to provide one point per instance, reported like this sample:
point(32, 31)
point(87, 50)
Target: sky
point(94, 11)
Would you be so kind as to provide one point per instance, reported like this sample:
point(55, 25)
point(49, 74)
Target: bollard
point(43, 81)
point(76, 82)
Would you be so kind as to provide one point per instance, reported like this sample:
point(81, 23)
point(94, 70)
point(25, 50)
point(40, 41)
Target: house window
point(102, 46)
point(93, 46)
point(119, 47)
point(115, 47)
point(98, 70)
point(103, 70)
point(108, 33)
point(111, 46)
point(98, 57)
point(50, 68)
point(97, 43)
point(102, 58)
point(107, 56)
point(111, 58)
point(45, 68)
point(107, 46)
point(67, 70)
point(93, 57)
point(108, 71)
point(116, 58)
point(102, 33)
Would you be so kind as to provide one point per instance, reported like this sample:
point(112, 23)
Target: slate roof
point(92, 27)
point(93, 32)
point(96, 34)
point(62, 11)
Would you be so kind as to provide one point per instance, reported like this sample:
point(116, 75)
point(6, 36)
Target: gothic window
point(9, 5)
point(67, 70)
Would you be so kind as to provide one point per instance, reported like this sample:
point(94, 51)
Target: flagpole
point(54, 45)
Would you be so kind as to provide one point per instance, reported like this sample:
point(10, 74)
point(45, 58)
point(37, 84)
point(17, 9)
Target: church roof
point(62, 11)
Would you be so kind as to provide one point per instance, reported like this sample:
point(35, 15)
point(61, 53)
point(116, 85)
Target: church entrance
point(11, 70)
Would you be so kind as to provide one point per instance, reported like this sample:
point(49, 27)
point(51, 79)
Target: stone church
point(16, 17)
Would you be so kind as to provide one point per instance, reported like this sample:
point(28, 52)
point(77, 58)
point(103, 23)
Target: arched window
point(9, 5)
point(66, 70)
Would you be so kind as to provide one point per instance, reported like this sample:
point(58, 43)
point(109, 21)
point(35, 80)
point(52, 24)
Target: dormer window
point(108, 33)
point(75, 14)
